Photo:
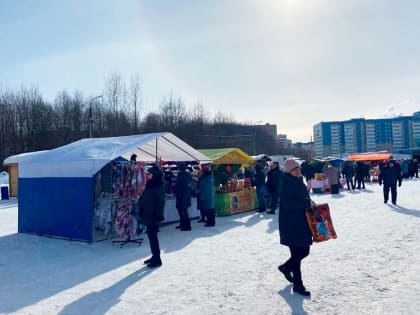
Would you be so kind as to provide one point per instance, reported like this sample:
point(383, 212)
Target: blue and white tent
point(56, 187)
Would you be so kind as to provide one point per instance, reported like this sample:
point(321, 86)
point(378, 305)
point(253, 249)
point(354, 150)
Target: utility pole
point(90, 114)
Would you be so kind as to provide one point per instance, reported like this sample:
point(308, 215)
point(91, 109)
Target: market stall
point(234, 191)
point(87, 189)
point(319, 184)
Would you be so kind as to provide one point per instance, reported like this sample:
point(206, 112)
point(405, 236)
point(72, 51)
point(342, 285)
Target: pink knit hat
point(290, 165)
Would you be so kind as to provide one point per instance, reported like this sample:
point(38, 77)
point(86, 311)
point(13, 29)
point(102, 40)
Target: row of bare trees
point(29, 123)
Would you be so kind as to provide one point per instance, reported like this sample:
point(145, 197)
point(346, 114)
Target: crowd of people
point(287, 192)
point(151, 203)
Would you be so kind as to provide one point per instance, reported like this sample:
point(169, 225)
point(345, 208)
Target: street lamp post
point(90, 114)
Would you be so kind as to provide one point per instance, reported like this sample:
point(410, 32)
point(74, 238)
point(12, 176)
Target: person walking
point(260, 187)
point(273, 185)
point(361, 170)
point(206, 195)
point(151, 208)
point(348, 172)
point(183, 187)
point(293, 227)
point(389, 176)
point(333, 180)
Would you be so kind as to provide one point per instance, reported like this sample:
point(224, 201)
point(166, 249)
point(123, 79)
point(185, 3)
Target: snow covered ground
point(372, 268)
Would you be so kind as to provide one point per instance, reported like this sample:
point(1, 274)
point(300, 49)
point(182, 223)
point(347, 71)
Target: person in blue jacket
point(206, 195)
point(151, 208)
point(293, 227)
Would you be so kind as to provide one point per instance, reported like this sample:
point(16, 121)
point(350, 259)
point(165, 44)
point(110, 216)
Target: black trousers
point(297, 253)
point(152, 234)
point(349, 182)
point(335, 189)
point(393, 189)
point(360, 182)
point(184, 218)
point(210, 216)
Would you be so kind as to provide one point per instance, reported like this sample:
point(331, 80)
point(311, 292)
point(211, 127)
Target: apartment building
point(340, 138)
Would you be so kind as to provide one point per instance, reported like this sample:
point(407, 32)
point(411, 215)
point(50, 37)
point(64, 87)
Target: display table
point(235, 202)
point(171, 213)
point(318, 186)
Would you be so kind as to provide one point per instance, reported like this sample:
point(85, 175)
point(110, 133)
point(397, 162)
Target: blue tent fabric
point(59, 207)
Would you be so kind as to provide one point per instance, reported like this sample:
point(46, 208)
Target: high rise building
point(338, 138)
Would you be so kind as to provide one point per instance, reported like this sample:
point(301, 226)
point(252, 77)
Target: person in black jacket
point(389, 176)
point(293, 227)
point(260, 187)
point(348, 172)
point(151, 209)
point(273, 186)
point(183, 187)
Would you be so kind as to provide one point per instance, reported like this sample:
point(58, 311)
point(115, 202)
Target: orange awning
point(369, 157)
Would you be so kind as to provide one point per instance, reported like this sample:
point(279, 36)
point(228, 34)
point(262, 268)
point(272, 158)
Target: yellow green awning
point(228, 156)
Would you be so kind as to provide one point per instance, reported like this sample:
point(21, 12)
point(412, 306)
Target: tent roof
point(13, 159)
point(228, 155)
point(327, 159)
point(378, 156)
point(261, 157)
point(85, 157)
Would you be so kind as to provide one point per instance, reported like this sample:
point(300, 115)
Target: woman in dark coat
point(151, 209)
point(182, 189)
point(293, 227)
point(206, 195)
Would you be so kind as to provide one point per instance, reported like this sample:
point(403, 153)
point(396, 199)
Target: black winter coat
point(389, 176)
point(274, 180)
point(259, 177)
point(183, 187)
point(152, 203)
point(294, 200)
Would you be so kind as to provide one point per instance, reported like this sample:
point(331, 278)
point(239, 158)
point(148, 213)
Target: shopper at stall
point(361, 171)
point(390, 175)
point(206, 195)
point(293, 227)
point(333, 180)
point(183, 187)
point(273, 185)
point(151, 208)
point(348, 172)
point(260, 187)
point(307, 170)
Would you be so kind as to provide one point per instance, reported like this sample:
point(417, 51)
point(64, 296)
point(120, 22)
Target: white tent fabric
point(86, 157)
point(18, 158)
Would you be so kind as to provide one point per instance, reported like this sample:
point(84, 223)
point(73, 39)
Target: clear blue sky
point(293, 63)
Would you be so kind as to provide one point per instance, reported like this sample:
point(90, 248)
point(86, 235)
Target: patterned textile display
point(103, 214)
point(129, 181)
point(125, 222)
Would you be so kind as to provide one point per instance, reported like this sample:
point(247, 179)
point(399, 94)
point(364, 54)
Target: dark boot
point(286, 272)
point(299, 288)
point(211, 220)
point(155, 264)
point(148, 261)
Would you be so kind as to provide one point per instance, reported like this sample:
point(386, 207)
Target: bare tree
point(116, 105)
point(221, 118)
point(198, 115)
point(71, 120)
point(173, 113)
point(136, 100)
point(152, 123)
